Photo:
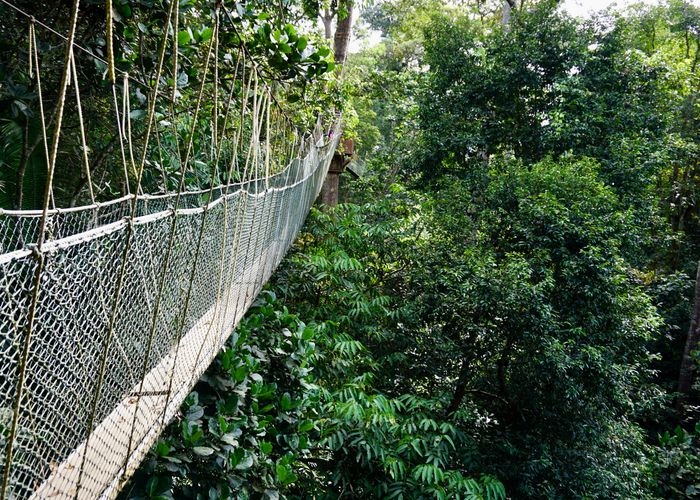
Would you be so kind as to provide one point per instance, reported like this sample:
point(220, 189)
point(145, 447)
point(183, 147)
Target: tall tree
point(343, 31)
point(508, 6)
point(342, 9)
point(689, 363)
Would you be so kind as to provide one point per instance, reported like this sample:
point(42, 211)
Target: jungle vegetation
point(505, 305)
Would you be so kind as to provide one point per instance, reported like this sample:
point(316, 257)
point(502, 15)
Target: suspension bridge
point(110, 310)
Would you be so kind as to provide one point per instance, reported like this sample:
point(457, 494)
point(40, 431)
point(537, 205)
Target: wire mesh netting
point(21, 227)
point(203, 287)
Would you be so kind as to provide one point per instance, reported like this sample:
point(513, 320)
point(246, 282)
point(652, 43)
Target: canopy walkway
point(110, 311)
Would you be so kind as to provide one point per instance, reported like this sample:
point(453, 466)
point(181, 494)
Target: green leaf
point(123, 9)
point(246, 463)
point(240, 373)
point(194, 413)
point(183, 38)
point(293, 441)
point(306, 426)
point(223, 425)
point(162, 449)
point(229, 438)
point(206, 34)
point(265, 447)
point(308, 333)
point(203, 451)
point(281, 471)
point(284, 473)
point(286, 402)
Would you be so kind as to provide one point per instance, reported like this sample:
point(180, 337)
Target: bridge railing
point(221, 255)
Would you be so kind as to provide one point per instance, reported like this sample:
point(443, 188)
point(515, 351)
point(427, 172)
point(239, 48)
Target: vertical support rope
point(267, 142)
point(215, 125)
point(30, 49)
point(121, 138)
point(110, 45)
point(200, 237)
point(254, 126)
point(122, 267)
point(166, 263)
point(127, 128)
point(176, 49)
point(125, 92)
point(38, 255)
point(162, 163)
point(174, 6)
point(239, 136)
point(173, 95)
point(42, 113)
point(222, 134)
point(83, 141)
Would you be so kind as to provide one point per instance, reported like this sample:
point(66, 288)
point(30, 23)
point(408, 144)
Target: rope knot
point(36, 253)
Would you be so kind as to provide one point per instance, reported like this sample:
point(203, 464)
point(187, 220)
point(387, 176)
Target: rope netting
point(111, 310)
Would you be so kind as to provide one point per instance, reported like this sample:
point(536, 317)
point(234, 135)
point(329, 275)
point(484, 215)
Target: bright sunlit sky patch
point(584, 8)
point(577, 8)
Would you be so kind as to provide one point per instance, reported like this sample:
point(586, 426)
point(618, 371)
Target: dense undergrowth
point(294, 405)
point(344, 378)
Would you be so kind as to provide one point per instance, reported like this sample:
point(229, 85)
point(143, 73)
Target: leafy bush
point(249, 425)
point(261, 423)
point(677, 464)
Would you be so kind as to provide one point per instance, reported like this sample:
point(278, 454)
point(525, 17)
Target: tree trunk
point(460, 390)
point(507, 8)
point(688, 363)
point(343, 31)
point(329, 192)
point(327, 19)
point(22, 167)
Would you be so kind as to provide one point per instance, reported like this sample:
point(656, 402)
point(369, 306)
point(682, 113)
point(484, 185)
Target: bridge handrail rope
point(111, 310)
